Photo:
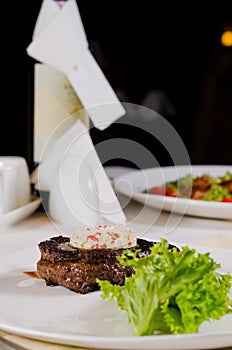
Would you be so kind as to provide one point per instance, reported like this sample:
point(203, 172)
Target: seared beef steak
point(77, 269)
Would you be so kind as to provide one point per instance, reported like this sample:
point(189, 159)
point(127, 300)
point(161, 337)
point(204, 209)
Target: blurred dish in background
point(134, 183)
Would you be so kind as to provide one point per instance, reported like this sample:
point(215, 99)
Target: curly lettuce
point(170, 292)
point(217, 193)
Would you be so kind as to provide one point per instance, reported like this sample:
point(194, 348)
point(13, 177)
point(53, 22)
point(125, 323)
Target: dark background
point(145, 46)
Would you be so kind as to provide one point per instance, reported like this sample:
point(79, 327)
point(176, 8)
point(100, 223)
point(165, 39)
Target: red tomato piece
point(227, 200)
point(170, 192)
point(158, 190)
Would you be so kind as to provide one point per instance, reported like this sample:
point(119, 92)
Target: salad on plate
point(204, 187)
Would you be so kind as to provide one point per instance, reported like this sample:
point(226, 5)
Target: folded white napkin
point(59, 40)
point(80, 191)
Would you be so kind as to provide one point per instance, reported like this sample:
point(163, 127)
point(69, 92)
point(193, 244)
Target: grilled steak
point(77, 269)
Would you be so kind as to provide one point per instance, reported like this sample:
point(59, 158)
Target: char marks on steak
point(77, 269)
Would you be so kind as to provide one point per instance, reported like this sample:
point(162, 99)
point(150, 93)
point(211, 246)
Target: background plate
point(134, 182)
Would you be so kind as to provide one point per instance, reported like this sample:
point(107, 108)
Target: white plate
point(32, 309)
point(134, 182)
point(20, 213)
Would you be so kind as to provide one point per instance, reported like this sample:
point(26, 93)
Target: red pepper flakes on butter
point(103, 237)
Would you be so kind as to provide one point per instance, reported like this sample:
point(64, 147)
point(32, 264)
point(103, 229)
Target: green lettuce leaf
point(217, 193)
point(170, 291)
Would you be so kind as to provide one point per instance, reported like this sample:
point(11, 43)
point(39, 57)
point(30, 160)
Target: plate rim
point(100, 342)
